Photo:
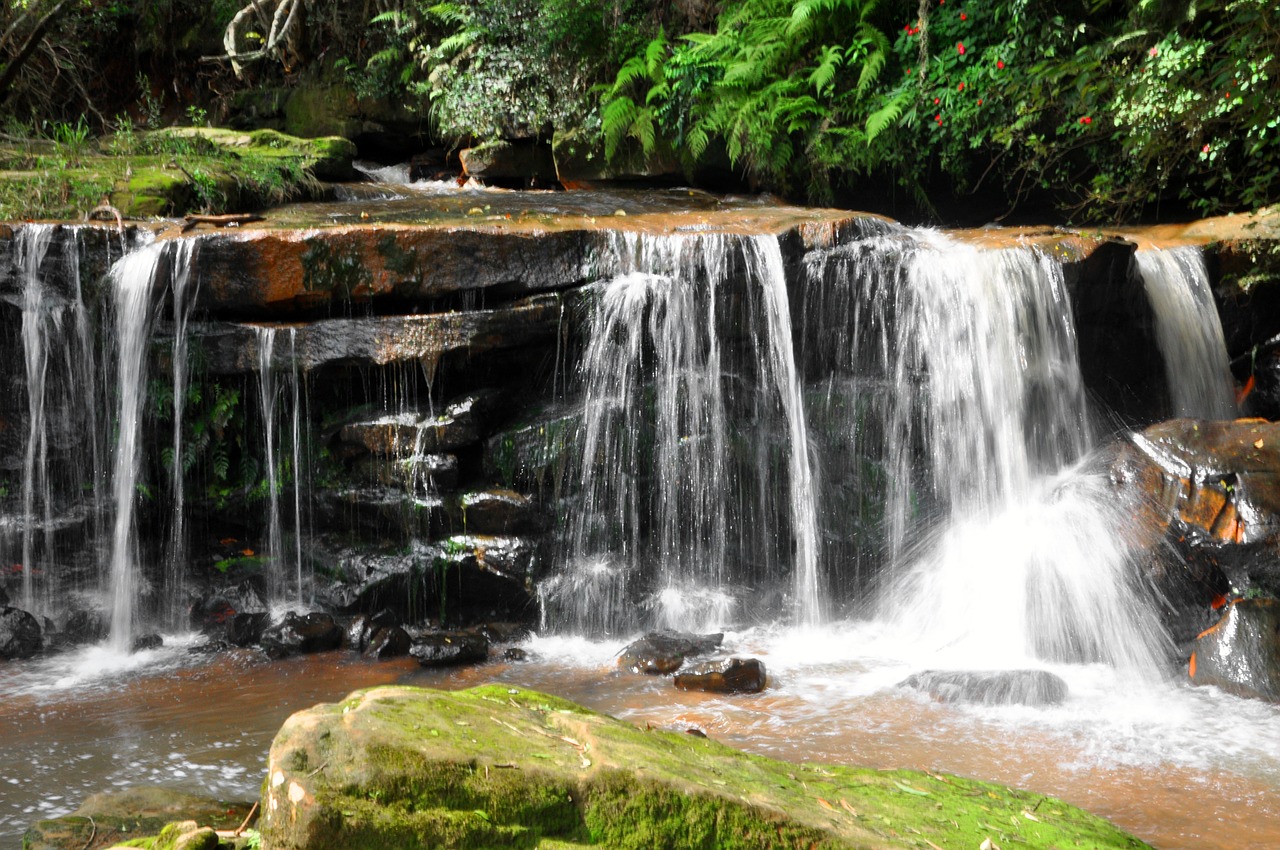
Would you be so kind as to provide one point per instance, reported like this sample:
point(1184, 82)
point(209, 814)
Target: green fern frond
point(829, 62)
point(882, 118)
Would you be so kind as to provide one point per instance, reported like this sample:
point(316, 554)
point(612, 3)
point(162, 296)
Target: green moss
point(326, 268)
point(495, 766)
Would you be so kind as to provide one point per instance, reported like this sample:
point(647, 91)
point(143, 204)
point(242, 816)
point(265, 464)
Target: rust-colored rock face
point(1241, 653)
point(1205, 502)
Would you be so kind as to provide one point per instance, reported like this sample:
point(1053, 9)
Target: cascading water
point(969, 401)
point(1188, 331)
point(267, 397)
point(678, 497)
point(132, 279)
point(33, 243)
point(183, 297)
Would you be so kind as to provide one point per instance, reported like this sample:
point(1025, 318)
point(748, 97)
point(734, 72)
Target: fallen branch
point(245, 823)
point(190, 220)
point(105, 212)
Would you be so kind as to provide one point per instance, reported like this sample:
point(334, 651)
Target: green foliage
point(785, 86)
point(503, 68)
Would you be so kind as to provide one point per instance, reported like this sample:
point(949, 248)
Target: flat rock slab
point(1003, 687)
point(501, 767)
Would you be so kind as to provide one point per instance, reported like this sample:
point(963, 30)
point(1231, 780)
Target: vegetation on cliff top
point(1094, 108)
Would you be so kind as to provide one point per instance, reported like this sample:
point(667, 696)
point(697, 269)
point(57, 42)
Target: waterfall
point(32, 245)
point(298, 477)
point(1188, 332)
point(1004, 548)
point(267, 397)
point(176, 557)
point(694, 468)
point(132, 279)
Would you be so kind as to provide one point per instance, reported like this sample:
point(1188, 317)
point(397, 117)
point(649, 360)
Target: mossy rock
point(495, 766)
point(138, 817)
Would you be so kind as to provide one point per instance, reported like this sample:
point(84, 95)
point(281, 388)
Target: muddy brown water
point(72, 727)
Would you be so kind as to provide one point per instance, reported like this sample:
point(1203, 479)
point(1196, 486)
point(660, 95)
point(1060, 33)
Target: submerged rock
point(142, 643)
point(388, 642)
point(730, 676)
point(447, 649)
point(302, 635)
point(1004, 687)
point(111, 818)
point(500, 767)
point(659, 653)
point(1241, 654)
point(20, 634)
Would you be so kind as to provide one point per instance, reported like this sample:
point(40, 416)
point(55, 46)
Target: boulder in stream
point(1241, 654)
point(662, 652)
point(20, 634)
point(729, 676)
point(302, 634)
point(497, 766)
point(988, 687)
point(448, 649)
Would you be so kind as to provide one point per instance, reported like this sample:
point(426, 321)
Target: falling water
point(998, 424)
point(267, 397)
point(1188, 332)
point(679, 498)
point(298, 478)
point(131, 279)
point(176, 560)
point(32, 245)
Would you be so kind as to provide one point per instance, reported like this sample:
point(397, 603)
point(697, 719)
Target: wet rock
point(414, 473)
point(85, 625)
point(4, 597)
point(142, 643)
point(536, 453)
point(214, 607)
point(302, 635)
point(247, 629)
point(413, 434)
point(447, 649)
point(464, 580)
point(1005, 687)
point(1203, 499)
point(387, 767)
point(20, 634)
point(362, 629)
point(269, 273)
point(1241, 654)
point(497, 512)
point(388, 642)
point(730, 676)
point(1120, 361)
point(519, 164)
point(1264, 398)
point(504, 632)
point(232, 349)
point(659, 653)
point(515, 653)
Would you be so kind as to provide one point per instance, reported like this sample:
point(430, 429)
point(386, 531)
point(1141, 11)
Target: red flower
point(979, 101)
point(1204, 149)
point(960, 47)
point(1000, 64)
point(1152, 52)
point(963, 16)
point(938, 118)
point(1086, 120)
point(937, 100)
point(960, 87)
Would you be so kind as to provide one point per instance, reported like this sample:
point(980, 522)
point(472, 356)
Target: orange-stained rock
point(1241, 653)
point(1204, 501)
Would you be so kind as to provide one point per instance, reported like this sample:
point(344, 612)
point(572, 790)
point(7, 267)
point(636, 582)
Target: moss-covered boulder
point(495, 766)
